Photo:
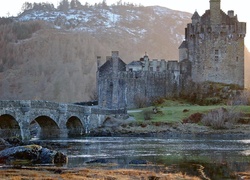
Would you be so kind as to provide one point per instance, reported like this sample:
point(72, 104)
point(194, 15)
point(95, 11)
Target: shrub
point(158, 101)
point(241, 99)
point(194, 118)
point(147, 114)
point(211, 101)
point(25, 30)
point(141, 101)
point(143, 125)
point(221, 118)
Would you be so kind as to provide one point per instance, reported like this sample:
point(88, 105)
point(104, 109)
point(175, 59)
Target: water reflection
point(219, 158)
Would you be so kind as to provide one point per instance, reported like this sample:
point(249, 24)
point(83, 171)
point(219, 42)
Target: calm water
point(219, 157)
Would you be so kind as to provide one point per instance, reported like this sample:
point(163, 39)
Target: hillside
point(50, 54)
point(58, 61)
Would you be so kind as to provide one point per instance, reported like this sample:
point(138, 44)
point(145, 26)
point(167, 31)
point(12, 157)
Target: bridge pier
point(25, 134)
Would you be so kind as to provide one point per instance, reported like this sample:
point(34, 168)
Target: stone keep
point(214, 44)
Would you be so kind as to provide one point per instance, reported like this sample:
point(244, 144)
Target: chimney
point(115, 54)
point(230, 13)
point(98, 61)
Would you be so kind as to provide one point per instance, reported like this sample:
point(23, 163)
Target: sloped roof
point(108, 65)
point(183, 45)
point(135, 63)
point(195, 15)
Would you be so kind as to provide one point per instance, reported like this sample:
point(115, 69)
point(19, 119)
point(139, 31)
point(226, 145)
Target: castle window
point(216, 55)
point(237, 58)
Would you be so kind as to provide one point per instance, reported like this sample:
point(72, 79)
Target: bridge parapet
point(108, 111)
point(76, 108)
point(45, 105)
point(10, 104)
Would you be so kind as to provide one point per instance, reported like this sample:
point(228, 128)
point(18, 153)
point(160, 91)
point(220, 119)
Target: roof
point(108, 65)
point(183, 45)
point(196, 15)
point(135, 63)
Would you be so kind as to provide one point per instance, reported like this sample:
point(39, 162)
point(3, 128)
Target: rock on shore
point(31, 154)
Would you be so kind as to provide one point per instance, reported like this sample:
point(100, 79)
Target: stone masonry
point(214, 44)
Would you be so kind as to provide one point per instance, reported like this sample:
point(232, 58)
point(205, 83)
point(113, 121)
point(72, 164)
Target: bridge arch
point(48, 128)
point(9, 126)
point(74, 126)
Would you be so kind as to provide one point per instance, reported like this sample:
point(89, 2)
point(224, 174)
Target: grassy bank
point(88, 174)
point(175, 111)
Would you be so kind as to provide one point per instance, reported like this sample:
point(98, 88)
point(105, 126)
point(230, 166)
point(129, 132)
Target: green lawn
point(173, 111)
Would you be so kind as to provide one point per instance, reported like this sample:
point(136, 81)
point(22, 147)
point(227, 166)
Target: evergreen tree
point(64, 5)
point(75, 4)
point(26, 6)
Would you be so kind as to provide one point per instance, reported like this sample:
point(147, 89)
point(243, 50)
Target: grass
point(176, 111)
point(89, 174)
point(173, 112)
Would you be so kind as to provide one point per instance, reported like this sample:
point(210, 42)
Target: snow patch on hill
point(135, 21)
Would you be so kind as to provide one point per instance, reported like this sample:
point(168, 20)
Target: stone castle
point(213, 50)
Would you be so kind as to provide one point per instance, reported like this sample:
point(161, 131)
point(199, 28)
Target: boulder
point(138, 162)
point(4, 143)
point(112, 122)
point(98, 161)
point(31, 154)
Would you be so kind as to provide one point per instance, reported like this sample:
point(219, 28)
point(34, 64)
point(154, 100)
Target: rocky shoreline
point(15, 153)
point(172, 130)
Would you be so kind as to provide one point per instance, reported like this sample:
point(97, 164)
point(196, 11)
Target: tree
point(64, 5)
point(104, 4)
point(75, 4)
point(27, 6)
point(119, 3)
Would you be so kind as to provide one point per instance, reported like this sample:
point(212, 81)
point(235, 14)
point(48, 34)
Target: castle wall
point(183, 54)
point(119, 88)
point(217, 56)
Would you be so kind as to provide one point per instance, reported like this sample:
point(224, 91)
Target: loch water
point(217, 157)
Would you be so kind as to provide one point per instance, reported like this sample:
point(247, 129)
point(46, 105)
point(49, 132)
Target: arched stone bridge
point(52, 119)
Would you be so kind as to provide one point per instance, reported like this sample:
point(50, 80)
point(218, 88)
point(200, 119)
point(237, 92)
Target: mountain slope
point(156, 30)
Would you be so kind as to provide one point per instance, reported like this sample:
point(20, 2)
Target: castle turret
point(215, 14)
point(98, 62)
point(195, 18)
point(146, 62)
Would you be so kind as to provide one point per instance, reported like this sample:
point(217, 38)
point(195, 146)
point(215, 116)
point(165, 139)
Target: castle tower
point(214, 44)
point(111, 88)
point(215, 12)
